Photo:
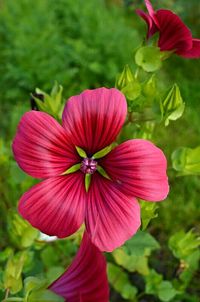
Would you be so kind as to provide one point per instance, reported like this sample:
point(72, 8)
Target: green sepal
point(102, 172)
point(81, 152)
point(102, 152)
point(72, 169)
point(87, 181)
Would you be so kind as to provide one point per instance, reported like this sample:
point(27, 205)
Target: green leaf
point(12, 275)
point(81, 152)
point(33, 283)
point(132, 263)
point(20, 231)
point(102, 152)
point(133, 256)
point(186, 161)
point(49, 257)
point(72, 169)
point(44, 296)
point(183, 244)
point(153, 280)
point(148, 212)
point(54, 272)
point(5, 254)
point(149, 58)
point(189, 266)
point(166, 291)
point(172, 106)
point(102, 172)
point(141, 243)
point(155, 285)
point(120, 282)
point(87, 181)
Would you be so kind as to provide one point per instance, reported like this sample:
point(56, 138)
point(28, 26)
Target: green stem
point(141, 295)
point(7, 293)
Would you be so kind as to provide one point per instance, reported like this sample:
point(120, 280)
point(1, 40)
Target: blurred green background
point(85, 44)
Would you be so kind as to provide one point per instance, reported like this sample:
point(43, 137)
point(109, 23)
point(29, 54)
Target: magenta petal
point(85, 280)
point(56, 206)
point(93, 118)
point(149, 8)
point(174, 34)
point(152, 28)
point(112, 217)
point(140, 169)
point(41, 146)
point(194, 52)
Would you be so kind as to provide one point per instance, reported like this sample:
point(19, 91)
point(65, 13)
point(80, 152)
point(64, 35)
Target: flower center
point(88, 165)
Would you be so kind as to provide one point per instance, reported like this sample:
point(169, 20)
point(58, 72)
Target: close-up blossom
point(85, 280)
point(85, 179)
point(174, 35)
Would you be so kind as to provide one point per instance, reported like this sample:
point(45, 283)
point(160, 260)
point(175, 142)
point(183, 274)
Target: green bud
point(172, 106)
point(149, 87)
point(128, 84)
point(52, 103)
point(124, 78)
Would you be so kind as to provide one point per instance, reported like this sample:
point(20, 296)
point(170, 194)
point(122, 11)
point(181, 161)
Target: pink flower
point(85, 280)
point(60, 204)
point(174, 35)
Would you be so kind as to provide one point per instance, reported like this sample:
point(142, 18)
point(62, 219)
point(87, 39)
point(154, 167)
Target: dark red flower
point(174, 35)
point(85, 280)
point(60, 204)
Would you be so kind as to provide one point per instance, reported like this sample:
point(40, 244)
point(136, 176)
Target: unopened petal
point(85, 280)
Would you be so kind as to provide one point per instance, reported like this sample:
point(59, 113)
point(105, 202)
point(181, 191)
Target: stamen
point(88, 165)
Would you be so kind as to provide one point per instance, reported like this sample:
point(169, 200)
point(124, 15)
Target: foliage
point(67, 43)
